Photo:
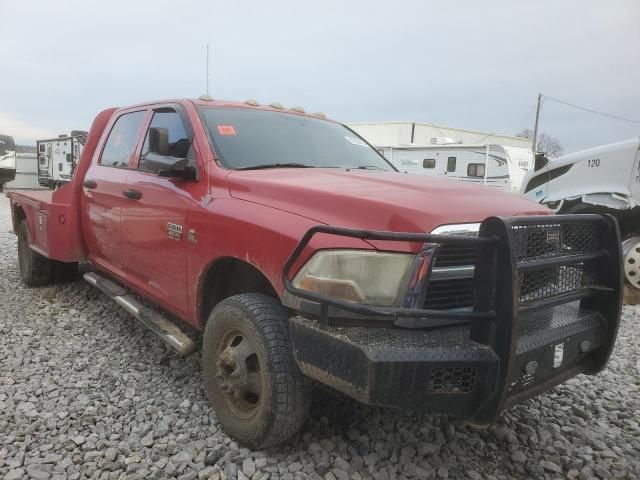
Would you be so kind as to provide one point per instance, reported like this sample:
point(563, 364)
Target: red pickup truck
point(302, 254)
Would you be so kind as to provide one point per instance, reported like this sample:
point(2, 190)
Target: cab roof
point(249, 104)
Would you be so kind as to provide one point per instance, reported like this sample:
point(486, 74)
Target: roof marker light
point(298, 109)
point(252, 102)
point(276, 105)
point(205, 97)
point(320, 114)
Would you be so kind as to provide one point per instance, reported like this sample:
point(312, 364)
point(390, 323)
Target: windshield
point(6, 144)
point(248, 138)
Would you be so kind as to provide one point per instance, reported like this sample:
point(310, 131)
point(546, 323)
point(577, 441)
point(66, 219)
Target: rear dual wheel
point(37, 270)
point(259, 395)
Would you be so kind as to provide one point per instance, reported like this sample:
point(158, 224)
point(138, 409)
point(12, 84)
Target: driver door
point(155, 212)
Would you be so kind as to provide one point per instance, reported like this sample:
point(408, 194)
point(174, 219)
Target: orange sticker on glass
point(226, 130)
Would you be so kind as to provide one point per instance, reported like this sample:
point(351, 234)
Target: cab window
point(122, 140)
point(167, 136)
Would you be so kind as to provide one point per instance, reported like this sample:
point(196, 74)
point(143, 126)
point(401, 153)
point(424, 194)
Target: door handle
point(132, 194)
point(89, 184)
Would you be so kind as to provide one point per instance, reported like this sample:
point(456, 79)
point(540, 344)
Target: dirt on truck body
point(302, 254)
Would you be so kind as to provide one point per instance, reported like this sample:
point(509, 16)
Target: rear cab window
point(122, 140)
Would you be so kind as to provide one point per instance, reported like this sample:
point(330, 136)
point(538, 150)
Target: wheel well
point(228, 277)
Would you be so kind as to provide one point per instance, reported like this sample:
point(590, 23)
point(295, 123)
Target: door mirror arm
point(183, 172)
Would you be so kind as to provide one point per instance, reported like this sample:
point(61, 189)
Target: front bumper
point(443, 370)
point(516, 343)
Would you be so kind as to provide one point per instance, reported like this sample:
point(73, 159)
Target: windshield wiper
point(367, 167)
point(276, 165)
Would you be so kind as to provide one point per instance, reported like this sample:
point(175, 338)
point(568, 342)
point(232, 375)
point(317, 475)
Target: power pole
point(534, 145)
point(208, 71)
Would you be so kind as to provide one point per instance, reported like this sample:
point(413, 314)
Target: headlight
point(359, 276)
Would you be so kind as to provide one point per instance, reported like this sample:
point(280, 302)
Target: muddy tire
point(259, 395)
point(35, 270)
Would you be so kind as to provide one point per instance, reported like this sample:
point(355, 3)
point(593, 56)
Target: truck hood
point(375, 200)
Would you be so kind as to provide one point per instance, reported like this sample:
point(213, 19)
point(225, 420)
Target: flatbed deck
point(40, 197)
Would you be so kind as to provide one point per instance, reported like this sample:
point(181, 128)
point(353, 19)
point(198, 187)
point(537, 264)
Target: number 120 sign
point(593, 162)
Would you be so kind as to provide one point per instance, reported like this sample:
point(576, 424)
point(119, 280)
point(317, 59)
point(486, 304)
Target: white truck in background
point(492, 165)
point(604, 179)
point(58, 157)
point(7, 160)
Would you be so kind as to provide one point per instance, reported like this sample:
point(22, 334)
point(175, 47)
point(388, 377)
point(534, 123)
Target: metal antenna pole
point(207, 69)
point(534, 145)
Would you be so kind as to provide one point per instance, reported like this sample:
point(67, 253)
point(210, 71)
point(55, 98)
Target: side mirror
point(170, 167)
point(182, 171)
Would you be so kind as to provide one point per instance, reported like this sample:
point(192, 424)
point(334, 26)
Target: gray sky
point(471, 64)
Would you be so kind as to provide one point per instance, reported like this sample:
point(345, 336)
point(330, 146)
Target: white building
point(398, 134)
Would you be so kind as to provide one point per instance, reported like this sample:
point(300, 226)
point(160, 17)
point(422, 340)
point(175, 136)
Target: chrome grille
point(451, 282)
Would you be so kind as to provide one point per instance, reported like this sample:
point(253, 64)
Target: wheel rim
point(631, 257)
point(239, 373)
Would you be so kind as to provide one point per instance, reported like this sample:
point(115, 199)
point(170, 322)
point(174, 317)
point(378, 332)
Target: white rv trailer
point(497, 166)
point(58, 157)
point(604, 179)
point(7, 160)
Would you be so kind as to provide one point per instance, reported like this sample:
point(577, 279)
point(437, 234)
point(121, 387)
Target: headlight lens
point(359, 276)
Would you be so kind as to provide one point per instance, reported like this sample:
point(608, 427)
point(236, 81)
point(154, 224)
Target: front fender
point(262, 236)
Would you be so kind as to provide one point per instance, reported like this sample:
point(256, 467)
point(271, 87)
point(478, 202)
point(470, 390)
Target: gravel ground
point(85, 392)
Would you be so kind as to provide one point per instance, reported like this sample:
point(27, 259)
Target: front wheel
point(259, 395)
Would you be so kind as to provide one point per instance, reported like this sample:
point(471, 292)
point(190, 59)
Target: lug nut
point(531, 367)
point(585, 346)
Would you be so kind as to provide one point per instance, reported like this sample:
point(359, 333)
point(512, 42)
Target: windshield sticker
point(226, 130)
point(356, 141)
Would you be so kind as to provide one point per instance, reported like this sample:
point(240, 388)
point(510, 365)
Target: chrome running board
point(168, 331)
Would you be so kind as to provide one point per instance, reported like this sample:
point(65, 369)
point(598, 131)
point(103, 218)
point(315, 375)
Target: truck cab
point(302, 255)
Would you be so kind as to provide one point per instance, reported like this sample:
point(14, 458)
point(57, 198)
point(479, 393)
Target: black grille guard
point(497, 281)
point(502, 268)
